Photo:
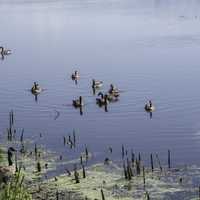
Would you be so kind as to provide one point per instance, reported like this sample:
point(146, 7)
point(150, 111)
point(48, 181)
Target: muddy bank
point(107, 182)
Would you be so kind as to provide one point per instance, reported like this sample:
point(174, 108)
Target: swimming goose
point(75, 76)
point(78, 102)
point(103, 100)
point(149, 107)
point(113, 91)
point(4, 51)
point(36, 89)
point(97, 84)
point(99, 100)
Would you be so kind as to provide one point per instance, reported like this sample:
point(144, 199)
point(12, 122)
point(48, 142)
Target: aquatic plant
point(14, 189)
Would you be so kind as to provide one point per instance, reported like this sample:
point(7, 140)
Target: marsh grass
point(14, 189)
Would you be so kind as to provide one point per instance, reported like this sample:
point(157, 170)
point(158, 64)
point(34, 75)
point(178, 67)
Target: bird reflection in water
point(36, 97)
point(81, 110)
point(106, 108)
point(93, 90)
point(2, 57)
point(151, 115)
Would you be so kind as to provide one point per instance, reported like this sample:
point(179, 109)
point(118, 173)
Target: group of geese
point(102, 100)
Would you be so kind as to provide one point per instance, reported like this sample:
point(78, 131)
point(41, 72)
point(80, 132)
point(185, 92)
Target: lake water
point(147, 48)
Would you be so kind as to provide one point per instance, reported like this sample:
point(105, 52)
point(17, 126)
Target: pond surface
point(147, 48)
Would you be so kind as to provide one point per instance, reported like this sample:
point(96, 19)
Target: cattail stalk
point(84, 175)
point(74, 138)
point(144, 179)
point(76, 175)
point(86, 153)
point(152, 167)
point(159, 163)
point(22, 136)
point(169, 159)
point(125, 172)
point(102, 195)
point(123, 152)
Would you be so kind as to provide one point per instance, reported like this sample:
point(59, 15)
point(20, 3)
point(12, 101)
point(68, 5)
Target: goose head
point(35, 84)
point(111, 86)
point(101, 94)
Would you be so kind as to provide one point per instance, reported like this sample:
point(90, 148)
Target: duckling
point(113, 91)
point(75, 76)
point(78, 102)
point(149, 107)
point(97, 84)
point(36, 89)
point(4, 52)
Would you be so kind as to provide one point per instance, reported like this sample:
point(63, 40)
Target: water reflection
point(75, 80)
point(81, 110)
point(103, 105)
point(106, 108)
point(150, 115)
point(93, 91)
point(78, 104)
point(36, 97)
point(136, 44)
point(2, 57)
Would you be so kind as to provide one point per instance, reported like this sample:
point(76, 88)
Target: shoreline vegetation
point(25, 173)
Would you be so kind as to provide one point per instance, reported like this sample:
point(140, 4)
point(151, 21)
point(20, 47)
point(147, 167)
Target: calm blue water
point(149, 49)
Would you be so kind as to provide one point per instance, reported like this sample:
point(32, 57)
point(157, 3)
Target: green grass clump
point(14, 189)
